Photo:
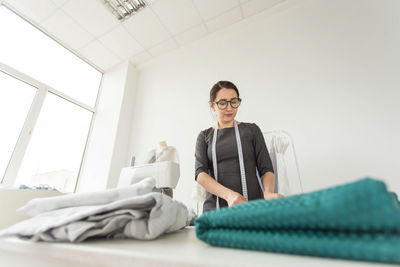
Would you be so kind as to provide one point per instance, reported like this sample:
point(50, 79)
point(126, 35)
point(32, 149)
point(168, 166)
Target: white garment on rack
point(277, 148)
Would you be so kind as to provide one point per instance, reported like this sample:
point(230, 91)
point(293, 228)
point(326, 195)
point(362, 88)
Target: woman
point(232, 141)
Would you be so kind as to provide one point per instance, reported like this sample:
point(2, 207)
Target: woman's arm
point(219, 190)
point(264, 164)
point(268, 181)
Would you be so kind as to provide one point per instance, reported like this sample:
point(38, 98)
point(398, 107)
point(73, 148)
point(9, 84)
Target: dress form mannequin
point(166, 153)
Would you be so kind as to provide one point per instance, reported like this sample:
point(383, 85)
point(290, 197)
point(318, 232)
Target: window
point(54, 153)
point(15, 101)
point(47, 101)
point(25, 48)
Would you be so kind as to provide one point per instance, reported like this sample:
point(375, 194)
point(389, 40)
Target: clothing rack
point(285, 133)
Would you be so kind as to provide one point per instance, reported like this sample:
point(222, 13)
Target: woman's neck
point(222, 125)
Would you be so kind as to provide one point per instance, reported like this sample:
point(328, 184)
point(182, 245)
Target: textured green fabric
point(358, 221)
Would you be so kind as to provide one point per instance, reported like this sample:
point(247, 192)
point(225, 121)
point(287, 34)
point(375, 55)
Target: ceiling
point(89, 29)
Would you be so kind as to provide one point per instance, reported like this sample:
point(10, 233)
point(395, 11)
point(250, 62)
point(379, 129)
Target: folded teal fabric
point(357, 221)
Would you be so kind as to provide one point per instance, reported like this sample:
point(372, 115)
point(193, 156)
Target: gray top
point(255, 155)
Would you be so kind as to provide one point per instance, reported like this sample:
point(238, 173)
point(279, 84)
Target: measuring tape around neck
point(241, 161)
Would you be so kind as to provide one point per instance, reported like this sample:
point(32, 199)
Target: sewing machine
point(166, 174)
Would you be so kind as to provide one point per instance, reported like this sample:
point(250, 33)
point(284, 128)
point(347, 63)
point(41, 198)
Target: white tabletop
point(181, 248)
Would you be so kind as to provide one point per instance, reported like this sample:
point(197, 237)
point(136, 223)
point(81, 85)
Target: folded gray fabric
point(40, 205)
point(144, 216)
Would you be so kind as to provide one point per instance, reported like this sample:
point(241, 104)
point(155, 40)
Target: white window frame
point(30, 122)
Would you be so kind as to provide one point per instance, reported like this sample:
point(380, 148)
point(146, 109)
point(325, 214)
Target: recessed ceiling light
point(122, 9)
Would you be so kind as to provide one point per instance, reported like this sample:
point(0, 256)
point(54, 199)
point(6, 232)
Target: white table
point(181, 248)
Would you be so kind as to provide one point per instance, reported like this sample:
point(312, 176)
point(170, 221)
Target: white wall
point(325, 71)
point(121, 148)
point(107, 149)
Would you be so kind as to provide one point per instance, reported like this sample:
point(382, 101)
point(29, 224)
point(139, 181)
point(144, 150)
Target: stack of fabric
point(358, 221)
point(129, 212)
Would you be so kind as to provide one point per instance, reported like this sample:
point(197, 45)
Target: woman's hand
point(235, 198)
point(270, 195)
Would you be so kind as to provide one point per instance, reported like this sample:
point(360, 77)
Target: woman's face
point(228, 114)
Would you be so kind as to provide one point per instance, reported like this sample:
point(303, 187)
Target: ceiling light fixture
point(122, 9)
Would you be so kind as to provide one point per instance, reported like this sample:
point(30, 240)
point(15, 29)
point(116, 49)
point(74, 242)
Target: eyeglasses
point(223, 104)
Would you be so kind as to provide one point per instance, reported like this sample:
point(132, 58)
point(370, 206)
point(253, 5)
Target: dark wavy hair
point(218, 86)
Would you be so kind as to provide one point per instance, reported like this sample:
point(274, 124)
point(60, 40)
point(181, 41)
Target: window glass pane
point(15, 100)
point(30, 51)
point(55, 151)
